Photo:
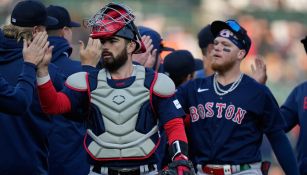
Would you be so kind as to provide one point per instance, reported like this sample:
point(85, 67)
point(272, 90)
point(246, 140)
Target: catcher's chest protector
point(119, 109)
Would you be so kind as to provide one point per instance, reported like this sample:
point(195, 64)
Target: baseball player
point(20, 96)
point(294, 111)
point(122, 102)
point(230, 112)
point(205, 43)
point(23, 145)
point(66, 153)
point(180, 66)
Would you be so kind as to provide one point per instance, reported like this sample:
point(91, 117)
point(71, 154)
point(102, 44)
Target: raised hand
point(33, 52)
point(91, 54)
point(148, 58)
point(259, 70)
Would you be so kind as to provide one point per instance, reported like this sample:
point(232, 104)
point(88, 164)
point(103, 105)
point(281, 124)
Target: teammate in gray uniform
point(230, 112)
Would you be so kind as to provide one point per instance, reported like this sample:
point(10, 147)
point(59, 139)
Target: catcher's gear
point(176, 168)
point(115, 20)
point(180, 164)
point(178, 147)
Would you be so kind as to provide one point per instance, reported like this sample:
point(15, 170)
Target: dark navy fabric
point(66, 153)
point(228, 129)
point(23, 145)
point(165, 110)
point(21, 95)
point(294, 111)
point(61, 56)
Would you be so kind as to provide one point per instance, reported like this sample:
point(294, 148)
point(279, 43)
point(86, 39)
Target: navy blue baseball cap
point(205, 37)
point(62, 15)
point(155, 37)
point(181, 63)
point(31, 13)
point(241, 39)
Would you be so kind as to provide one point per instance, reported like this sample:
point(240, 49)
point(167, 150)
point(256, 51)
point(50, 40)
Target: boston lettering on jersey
point(230, 112)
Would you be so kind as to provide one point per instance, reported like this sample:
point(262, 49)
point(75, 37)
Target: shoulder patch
point(77, 81)
point(164, 86)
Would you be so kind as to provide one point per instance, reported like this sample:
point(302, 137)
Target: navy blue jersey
point(23, 137)
point(228, 129)
point(294, 111)
point(66, 153)
point(164, 109)
point(20, 96)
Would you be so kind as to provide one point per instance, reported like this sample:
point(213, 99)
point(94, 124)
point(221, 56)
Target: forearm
point(52, 102)
point(283, 151)
point(17, 99)
point(175, 130)
point(177, 140)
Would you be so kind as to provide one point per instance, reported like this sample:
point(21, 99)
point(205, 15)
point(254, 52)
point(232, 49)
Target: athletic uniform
point(226, 130)
point(23, 146)
point(21, 95)
point(66, 153)
point(294, 111)
point(122, 117)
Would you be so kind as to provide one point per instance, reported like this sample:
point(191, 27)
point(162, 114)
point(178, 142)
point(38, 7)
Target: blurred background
point(276, 28)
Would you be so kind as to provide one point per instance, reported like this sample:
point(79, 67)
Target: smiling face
point(225, 55)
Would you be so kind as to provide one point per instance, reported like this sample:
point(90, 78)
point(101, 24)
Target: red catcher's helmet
point(115, 20)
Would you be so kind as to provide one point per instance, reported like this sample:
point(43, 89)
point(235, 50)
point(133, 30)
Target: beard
point(224, 67)
point(112, 63)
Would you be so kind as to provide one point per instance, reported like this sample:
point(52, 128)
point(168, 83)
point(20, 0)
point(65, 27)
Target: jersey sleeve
point(289, 111)
point(167, 108)
point(17, 99)
point(182, 95)
point(164, 99)
point(72, 98)
point(272, 120)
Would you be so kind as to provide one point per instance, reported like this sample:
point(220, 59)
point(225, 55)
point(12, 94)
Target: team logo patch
point(226, 33)
point(177, 104)
point(119, 99)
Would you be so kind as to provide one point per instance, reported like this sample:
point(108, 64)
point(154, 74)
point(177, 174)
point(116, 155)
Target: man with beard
point(124, 104)
point(230, 112)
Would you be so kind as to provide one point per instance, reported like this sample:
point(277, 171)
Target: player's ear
point(131, 45)
point(241, 54)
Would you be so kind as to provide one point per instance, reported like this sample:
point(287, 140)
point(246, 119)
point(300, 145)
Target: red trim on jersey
point(119, 158)
point(175, 130)
point(74, 88)
point(88, 93)
point(53, 102)
point(163, 96)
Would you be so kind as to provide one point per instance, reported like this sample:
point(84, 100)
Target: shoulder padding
point(164, 86)
point(77, 81)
